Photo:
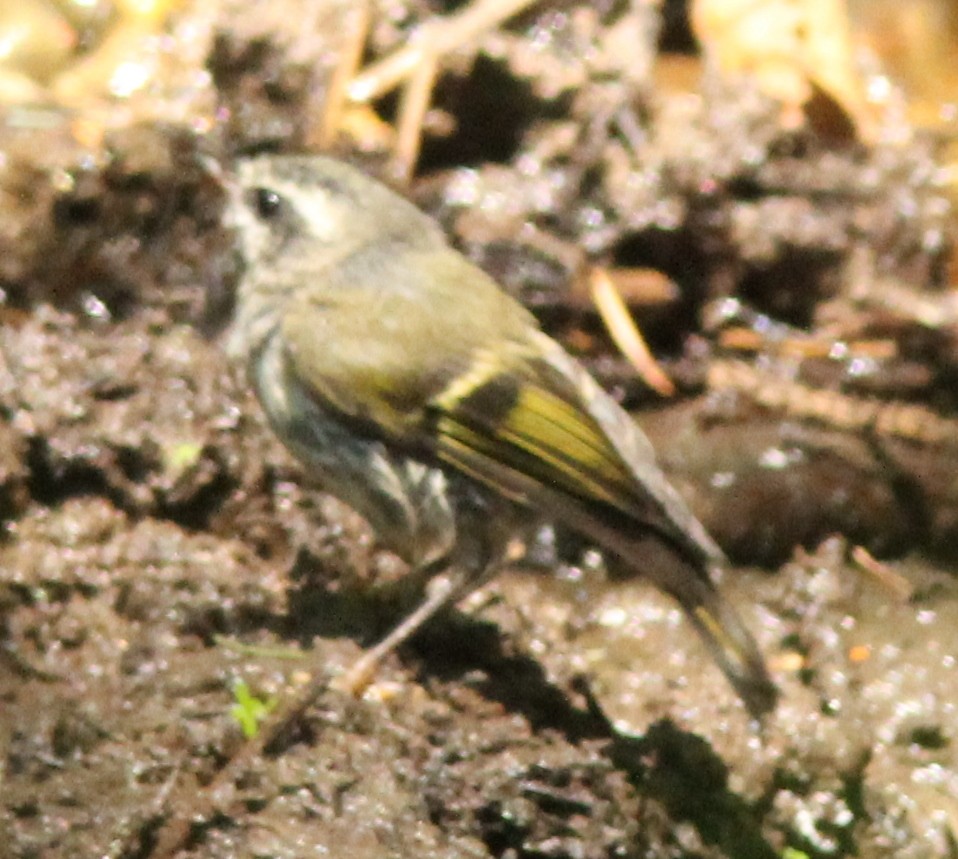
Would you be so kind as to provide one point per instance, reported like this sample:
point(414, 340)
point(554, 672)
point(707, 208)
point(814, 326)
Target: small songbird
point(412, 387)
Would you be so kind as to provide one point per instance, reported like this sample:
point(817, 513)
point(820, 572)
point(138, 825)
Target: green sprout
point(180, 457)
point(250, 711)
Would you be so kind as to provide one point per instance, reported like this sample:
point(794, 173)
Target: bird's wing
point(544, 429)
point(450, 365)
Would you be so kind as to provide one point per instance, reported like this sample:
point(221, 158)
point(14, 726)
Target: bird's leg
point(443, 590)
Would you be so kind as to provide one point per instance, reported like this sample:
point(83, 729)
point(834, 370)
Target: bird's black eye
point(267, 203)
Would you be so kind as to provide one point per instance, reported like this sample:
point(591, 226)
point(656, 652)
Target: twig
point(625, 333)
point(434, 38)
point(357, 29)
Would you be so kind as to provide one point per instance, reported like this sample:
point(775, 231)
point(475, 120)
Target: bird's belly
point(406, 500)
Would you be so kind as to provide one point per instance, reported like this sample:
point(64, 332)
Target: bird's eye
point(267, 203)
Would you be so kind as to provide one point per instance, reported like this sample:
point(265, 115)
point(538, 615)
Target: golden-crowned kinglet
point(412, 387)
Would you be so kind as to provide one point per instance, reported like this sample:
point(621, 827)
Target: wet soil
point(161, 551)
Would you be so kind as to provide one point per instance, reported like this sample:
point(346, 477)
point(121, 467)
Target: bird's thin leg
point(444, 589)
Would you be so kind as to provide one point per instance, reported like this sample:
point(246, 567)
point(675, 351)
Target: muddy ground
point(162, 552)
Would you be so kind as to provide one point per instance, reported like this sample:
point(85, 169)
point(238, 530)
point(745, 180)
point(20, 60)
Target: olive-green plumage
point(413, 387)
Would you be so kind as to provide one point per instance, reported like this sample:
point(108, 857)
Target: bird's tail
point(723, 631)
point(730, 644)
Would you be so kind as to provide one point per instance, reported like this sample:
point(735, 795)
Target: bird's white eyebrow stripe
point(314, 208)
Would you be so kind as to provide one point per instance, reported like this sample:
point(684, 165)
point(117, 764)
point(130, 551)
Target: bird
point(410, 385)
